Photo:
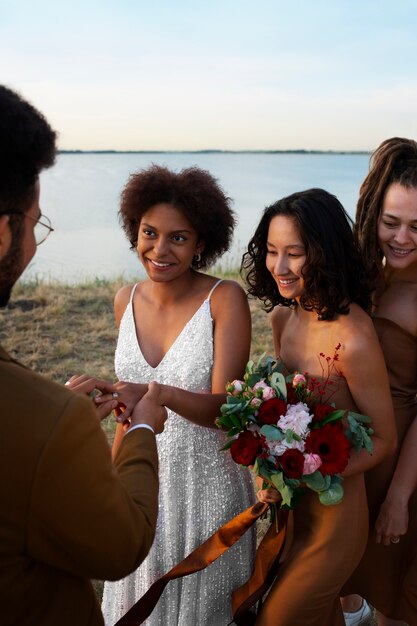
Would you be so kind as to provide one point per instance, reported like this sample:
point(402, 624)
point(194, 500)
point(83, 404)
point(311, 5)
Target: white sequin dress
point(201, 488)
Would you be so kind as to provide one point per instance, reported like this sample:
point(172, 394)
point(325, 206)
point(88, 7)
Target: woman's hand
point(266, 494)
point(149, 410)
point(392, 522)
point(269, 496)
point(128, 395)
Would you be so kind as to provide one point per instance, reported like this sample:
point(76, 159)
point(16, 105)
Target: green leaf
point(360, 418)
point(228, 445)
point(334, 416)
point(359, 435)
point(278, 481)
point(291, 436)
point(317, 482)
point(272, 432)
point(277, 382)
point(332, 495)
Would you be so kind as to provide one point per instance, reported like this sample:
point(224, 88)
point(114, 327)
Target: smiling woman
point(190, 332)
point(386, 229)
point(303, 263)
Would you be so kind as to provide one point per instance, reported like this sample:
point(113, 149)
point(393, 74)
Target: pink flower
point(311, 463)
point(297, 418)
point(267, 392)
point(235, 387)
point(256, 402)
point(299, 379)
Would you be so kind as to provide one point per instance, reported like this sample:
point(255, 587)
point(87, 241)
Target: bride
point(190, 332)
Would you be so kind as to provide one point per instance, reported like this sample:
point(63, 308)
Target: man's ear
point(5, 236)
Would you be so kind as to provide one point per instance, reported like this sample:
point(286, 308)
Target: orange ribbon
point(266, 564)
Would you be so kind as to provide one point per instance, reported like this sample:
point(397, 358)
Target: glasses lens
point(42, 229)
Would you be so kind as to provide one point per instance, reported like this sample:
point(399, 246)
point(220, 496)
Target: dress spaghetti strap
point(213, 288)
point(132, 293)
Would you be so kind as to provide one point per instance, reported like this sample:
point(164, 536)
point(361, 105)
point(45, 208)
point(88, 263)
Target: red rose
point(270, 411)
point(291, 395)
point(246, 448)
point(332, 446)
point(321, 410)
point(292, 463)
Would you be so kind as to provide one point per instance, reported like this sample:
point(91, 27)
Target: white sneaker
point(358, 617)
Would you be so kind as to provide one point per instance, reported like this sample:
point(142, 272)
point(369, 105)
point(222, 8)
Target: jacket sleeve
point(87, 516)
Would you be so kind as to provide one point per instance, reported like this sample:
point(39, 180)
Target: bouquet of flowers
point(287, 429)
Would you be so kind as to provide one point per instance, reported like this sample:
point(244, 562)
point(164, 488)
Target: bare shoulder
point(358, 335)
point(279, 317)
point(228, 291)
point(122, 296)
point(121, 300)
point(229, 302)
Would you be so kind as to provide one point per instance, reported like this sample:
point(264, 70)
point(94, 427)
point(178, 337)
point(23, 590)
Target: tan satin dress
point(387, 575)
point(325, 545)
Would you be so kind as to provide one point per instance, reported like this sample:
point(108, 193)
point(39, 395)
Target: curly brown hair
point(333, 272)
point(194, 192)
point(394, 161)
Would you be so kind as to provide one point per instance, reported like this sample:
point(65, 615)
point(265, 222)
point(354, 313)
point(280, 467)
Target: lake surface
point(80, 195)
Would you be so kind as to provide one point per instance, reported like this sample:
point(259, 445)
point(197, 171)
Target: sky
point(215, 74)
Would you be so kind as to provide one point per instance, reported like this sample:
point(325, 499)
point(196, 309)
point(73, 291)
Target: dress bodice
point(193, 345)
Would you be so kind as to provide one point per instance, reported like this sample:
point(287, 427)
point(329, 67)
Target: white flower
point(277, 448)
point(296, 419)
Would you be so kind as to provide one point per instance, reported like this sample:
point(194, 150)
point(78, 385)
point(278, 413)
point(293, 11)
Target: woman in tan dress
point(386, 230)
point(303, 264)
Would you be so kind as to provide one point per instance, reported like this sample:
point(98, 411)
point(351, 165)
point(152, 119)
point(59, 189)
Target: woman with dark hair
point(303, 264)
point(386, 230)
point(190, 332)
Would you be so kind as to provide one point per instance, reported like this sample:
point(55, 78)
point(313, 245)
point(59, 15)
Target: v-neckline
point(177, 338)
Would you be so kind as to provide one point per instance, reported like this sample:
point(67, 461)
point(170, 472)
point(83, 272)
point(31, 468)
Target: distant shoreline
point(333, 152)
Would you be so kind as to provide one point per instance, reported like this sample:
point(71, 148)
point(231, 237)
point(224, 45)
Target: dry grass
point(59, 330)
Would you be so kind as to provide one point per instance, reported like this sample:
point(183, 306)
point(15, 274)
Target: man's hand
point(85, 385)
point(149, 410)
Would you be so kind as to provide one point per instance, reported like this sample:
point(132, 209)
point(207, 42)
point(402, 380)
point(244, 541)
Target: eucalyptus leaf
point(332, 495)
point(279, 385)
point(277, 480)
point(233, 400)
point(360, 418)
point(317, 482)
point(272, 432)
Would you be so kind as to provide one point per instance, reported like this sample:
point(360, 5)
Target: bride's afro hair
point(194, 192)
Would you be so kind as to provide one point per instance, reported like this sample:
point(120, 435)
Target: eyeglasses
point(42, 229)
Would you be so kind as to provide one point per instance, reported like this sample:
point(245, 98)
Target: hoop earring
point(197, 258)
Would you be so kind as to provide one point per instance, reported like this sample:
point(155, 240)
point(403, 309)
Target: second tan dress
point(387, 575)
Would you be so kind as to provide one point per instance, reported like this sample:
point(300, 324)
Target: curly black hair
point(333, 273)
point(394, 161)
point(27, 146)
point(194, 192)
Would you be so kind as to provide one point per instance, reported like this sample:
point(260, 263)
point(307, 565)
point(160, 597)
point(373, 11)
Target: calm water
point(81, 194)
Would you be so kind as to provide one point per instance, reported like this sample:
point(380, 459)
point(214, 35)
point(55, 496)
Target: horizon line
point(213, 151)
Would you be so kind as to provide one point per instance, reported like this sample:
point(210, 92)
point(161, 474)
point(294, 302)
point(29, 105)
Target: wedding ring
point(114, 395)
point(395, 540)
